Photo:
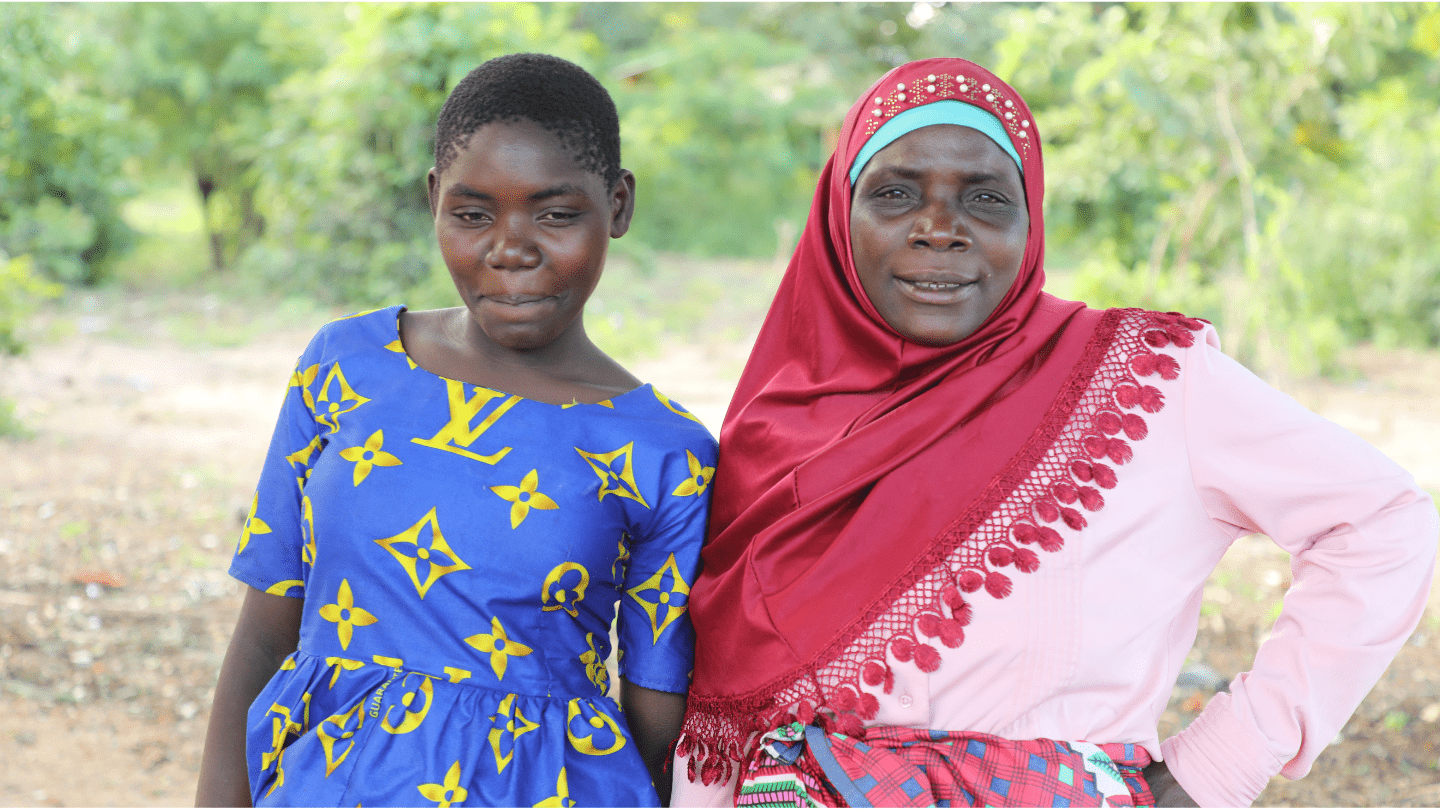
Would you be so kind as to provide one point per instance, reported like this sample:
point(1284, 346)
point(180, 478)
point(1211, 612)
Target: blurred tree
point(1192, 148)
point(342, 169)
point(199, 74)
point(62, 144)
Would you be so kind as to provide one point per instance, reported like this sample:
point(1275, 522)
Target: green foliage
point(1265, 166)
point(62, 144)
point(200, 74)
point(21, 291)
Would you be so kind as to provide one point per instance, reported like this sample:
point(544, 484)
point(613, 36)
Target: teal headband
point(938, 112)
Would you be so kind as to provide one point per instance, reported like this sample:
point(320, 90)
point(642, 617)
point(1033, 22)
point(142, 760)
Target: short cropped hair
point(559, 96)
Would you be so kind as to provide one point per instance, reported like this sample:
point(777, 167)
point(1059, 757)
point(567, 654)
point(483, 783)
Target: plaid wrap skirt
point(802, 766)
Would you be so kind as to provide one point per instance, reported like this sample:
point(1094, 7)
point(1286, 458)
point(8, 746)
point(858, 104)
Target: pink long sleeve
point(1363, 536)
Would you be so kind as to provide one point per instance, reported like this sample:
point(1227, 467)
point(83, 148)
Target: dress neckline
point(402, 351)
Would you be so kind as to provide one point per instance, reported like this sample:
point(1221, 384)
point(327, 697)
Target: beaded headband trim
point(940, 86)
point(939, 112)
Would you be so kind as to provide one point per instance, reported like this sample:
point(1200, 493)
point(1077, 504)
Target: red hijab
point(851, 458)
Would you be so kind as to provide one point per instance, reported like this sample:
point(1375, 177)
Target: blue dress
point(462, 553)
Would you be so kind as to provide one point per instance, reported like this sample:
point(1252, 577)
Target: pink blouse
point(1088, 647)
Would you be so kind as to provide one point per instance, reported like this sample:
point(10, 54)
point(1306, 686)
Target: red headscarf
point(849, 451)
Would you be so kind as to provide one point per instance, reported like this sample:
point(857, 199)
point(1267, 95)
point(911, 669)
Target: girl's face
point(523, 230)
point(938, 227)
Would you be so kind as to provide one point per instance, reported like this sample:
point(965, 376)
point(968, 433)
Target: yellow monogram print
point(329, 407)
point(345, 615)
point(339, 728)
point(591, 731)
point(562, 794)
point(565, 598)
point(413, 716)
point(457, 435)
point(523, 497)
point(369, 455)
point(425, 556)
point(503, 735)
point(615, 481)
point(449, 793)
point(699, 477)
point(499, 645)
point(663, 596)
point(253, 525)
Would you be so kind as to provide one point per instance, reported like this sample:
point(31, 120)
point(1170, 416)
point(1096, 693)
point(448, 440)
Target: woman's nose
point(513, 247)
point(940, 226)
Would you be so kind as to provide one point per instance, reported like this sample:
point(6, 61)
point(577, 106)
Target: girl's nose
point(513, 247)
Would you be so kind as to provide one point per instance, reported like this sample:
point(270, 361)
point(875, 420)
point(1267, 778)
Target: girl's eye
point(558, 216)
point(470, 216)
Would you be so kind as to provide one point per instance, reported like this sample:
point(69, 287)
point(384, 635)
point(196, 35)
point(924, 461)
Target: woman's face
point(938, 227)
point(523, 229)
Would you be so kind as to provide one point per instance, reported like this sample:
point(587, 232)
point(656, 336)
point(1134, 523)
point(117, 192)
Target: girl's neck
point(568, 369)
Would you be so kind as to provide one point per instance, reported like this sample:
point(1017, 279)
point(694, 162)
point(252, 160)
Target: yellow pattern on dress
point(345, 615)
point(566, 599)
point(456, 674)
point(499, 645)
point(562, 794)
point(447, 793)
point(658, 606)
point(339, 728)
point(301, 458)
point(523, 497)
point(342, 402)
point(597, 720)
point(611, 482)
point(307, 531)
point(282, 587)
point(622, 559)
point(676, 409)
point(595, 668)
point(369, 455)
point(412, 716)
point(399, 348)
point(699, 479)
point(515, 724)
point(253, 525)
point(302, 380)
point(341, 664)
point(282, 730)
point(408, 549)
point(456, 435)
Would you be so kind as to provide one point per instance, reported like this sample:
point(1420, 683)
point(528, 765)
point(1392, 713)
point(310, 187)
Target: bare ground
point(117, 518)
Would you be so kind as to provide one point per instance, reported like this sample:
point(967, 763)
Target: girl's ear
point(432, 183)
point(622, 204)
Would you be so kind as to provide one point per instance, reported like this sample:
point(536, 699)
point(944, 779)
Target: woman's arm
point(654, 718)
point(268, 630)
point(1363, 540)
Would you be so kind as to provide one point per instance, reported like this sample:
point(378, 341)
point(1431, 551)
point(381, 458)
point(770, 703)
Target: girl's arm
point(654, 718)
point(267, 632)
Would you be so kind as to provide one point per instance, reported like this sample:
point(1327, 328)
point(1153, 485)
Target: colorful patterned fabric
point(461, 553)
point(801, 766)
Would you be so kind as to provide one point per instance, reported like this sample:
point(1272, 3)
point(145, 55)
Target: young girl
point(455, 500)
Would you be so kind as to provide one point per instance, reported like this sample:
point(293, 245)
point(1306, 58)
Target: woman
point(961, 527)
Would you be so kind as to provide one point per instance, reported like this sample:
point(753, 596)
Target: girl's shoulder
point(357, 332)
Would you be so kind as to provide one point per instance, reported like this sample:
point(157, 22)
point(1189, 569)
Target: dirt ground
point(118, 516)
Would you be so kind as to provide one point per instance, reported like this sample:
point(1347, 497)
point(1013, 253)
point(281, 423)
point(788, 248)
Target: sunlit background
point(188, 190)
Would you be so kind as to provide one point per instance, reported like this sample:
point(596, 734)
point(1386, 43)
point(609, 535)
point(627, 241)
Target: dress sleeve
point(657, 641)
point(1363, 539)
point(276, 543)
